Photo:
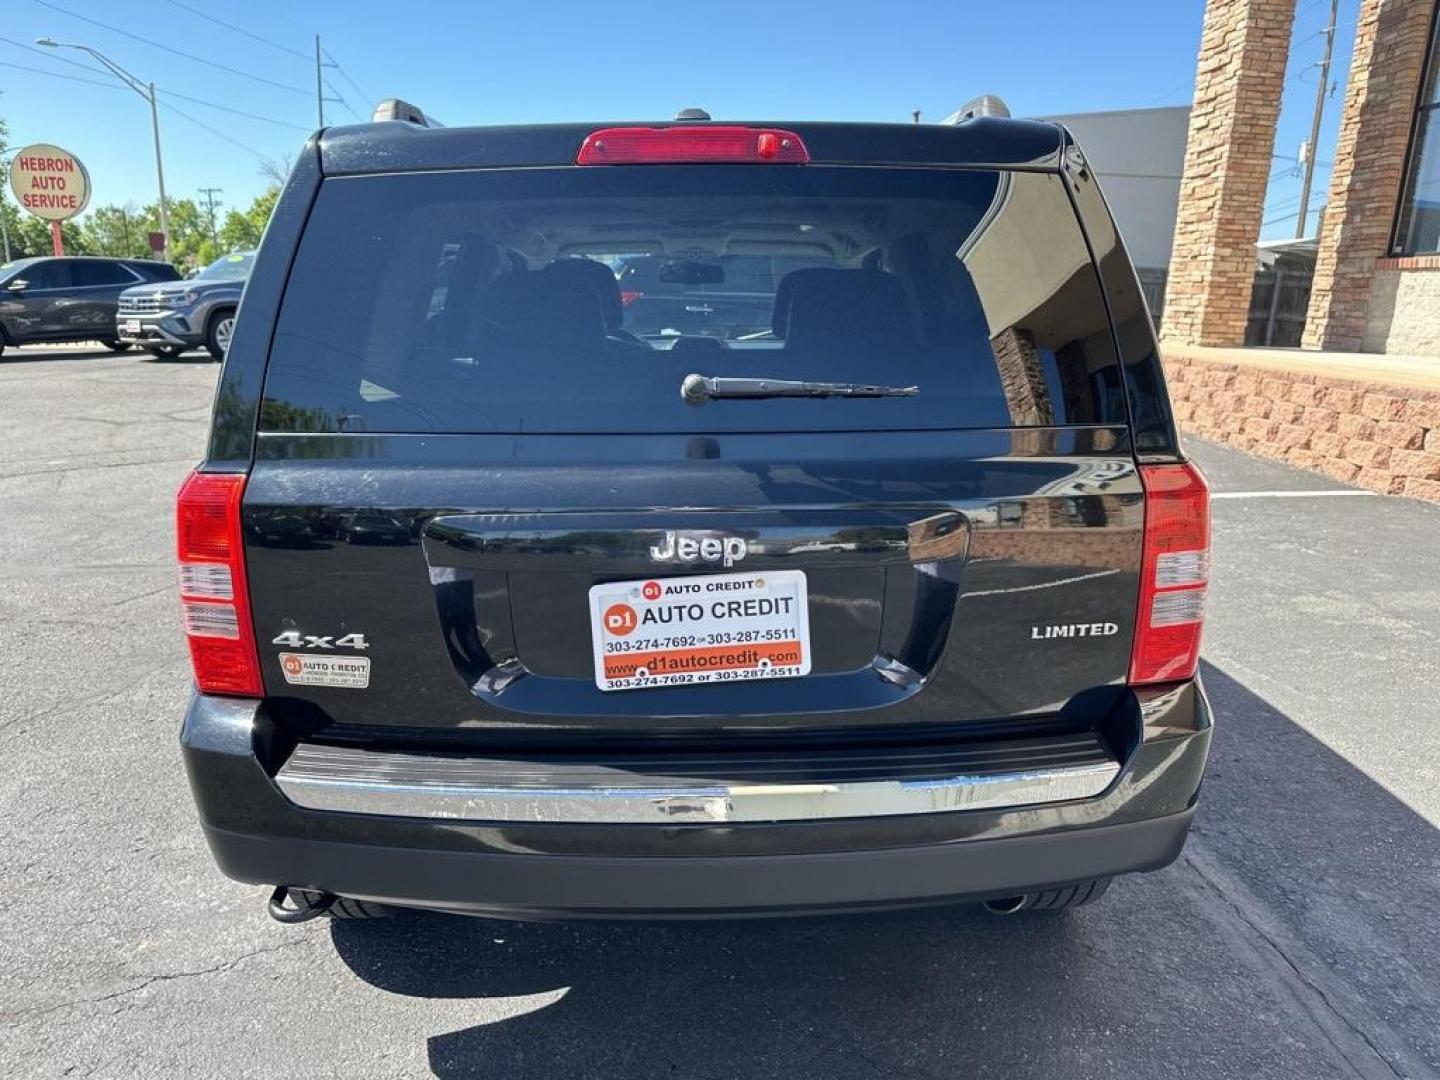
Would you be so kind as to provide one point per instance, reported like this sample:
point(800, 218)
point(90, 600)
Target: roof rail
point(400, 109)
point(984, 105)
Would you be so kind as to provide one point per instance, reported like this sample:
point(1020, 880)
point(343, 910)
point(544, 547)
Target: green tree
point(190, 244)
point(31, 236)
point(242, 229)
point(121, 231)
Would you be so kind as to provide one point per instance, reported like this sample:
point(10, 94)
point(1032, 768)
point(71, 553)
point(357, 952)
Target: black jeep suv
point(895, 599)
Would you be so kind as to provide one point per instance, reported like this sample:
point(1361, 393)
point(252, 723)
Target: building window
point(1417, 228)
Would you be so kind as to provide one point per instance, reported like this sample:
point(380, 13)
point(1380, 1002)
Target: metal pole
point(1315, 121)
point(319, 85)
point(57, 239)
point(160, 177)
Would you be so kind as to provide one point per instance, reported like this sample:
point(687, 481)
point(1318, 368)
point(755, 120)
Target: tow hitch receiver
point(307, 905)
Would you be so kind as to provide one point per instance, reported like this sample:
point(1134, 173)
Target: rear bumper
point(588, 886)
point(542, 869)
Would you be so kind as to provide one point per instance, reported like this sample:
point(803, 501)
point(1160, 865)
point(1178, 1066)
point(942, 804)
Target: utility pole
point(160, 177)
point(1320, 92)
point(210, 193)
point(319, 83)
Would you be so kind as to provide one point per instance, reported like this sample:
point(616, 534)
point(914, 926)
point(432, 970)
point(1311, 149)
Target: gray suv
point(169, 318)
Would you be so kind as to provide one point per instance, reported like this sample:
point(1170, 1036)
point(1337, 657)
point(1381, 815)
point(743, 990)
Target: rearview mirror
point(689, 272)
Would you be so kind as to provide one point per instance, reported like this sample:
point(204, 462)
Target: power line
point(176, 52)
point(1318, 163)
point(1188, 84)
point(342, 99)
point(160, 90)
point(61, 75)
point(215, 131)
point(48, 54)
point(228, 109)
point(364, 97)
point(239, 30)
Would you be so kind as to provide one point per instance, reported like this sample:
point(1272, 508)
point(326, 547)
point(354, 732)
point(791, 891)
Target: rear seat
point(842, 317)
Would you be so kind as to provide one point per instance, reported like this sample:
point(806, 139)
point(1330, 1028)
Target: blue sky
point(502, 61)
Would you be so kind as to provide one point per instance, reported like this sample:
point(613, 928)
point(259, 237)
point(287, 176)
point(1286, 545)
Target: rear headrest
point(848, 311)
point(785, 294)
point(597, 276)
point(554, 309)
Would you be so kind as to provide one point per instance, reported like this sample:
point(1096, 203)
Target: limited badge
point(306, 669)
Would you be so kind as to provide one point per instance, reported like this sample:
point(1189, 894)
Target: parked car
point(170, 318)
point(898, 603)
point(69, 298)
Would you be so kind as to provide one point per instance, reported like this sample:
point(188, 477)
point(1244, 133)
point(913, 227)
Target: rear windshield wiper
point(698, 389)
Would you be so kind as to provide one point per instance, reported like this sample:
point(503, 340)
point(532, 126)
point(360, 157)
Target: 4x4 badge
point(683, 547)
point(293, 639)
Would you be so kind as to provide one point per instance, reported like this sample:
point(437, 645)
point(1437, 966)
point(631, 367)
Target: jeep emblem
point(684, 547)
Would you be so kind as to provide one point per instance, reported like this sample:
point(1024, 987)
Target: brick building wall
point(1378, 436)
point(1241, 68)
point(1404, 311)
point(1369, 163)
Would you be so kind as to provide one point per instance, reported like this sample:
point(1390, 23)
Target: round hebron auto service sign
point(49, 182)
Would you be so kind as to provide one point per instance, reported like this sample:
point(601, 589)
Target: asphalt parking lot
point(1298, 936)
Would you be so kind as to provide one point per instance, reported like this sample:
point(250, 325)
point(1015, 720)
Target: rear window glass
point(579, 299)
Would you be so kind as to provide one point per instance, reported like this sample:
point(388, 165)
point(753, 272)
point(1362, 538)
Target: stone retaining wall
point(1378, 436)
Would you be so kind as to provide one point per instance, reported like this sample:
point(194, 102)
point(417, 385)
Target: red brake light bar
point(214, 599)
point(1174, 572)
point(692, 144)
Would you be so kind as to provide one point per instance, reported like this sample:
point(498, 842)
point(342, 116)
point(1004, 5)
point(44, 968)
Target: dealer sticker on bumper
point(701, 629)
point(303, 669)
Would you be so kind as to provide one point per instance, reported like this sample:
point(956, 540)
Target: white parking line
point(1288, 494)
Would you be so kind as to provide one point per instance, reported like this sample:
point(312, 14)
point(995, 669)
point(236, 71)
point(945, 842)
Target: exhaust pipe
point(308, 904)
point(1009, 905)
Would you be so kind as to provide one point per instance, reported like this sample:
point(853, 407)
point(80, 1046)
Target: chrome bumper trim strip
point(411, 785)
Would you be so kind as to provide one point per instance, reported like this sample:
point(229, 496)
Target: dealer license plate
point(703, 629)
point(132, 326)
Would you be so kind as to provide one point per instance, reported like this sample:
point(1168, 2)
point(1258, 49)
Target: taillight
point(692, 144)
point(214, 600)
point(629, 296)
point(1173, 574)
